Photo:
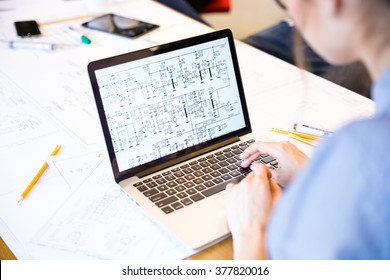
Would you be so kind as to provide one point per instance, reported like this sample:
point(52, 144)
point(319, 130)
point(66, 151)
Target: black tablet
point(120, 25)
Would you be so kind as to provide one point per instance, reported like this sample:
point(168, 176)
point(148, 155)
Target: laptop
point(175, 121)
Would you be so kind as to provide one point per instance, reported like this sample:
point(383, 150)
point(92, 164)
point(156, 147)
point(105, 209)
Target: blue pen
point(78, 35)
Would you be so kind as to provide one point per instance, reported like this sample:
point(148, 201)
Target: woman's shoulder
point(372, 132)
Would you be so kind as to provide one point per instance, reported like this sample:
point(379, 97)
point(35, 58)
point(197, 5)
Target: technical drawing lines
point(164, 78)
point(166, 103)
point(188, 119)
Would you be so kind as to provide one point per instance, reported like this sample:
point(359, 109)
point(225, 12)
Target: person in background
point(190, 8)
point(278, 39)
point(335, 205)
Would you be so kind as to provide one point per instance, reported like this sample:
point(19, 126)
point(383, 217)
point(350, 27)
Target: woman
point(336, 205)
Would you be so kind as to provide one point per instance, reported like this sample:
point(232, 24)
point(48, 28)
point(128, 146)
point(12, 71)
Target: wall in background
point(246, 17)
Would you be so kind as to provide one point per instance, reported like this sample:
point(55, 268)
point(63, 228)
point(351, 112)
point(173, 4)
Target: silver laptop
point(175, 121)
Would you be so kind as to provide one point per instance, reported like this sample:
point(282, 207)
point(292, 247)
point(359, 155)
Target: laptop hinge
point(188, 156)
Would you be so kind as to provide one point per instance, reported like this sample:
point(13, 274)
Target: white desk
point(75, 210)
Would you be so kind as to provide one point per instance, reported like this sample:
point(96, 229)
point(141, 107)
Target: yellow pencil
point(306, 141)
point(38, 175)
point(302, 135)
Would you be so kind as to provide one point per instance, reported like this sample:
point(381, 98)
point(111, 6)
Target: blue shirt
point(338, 207)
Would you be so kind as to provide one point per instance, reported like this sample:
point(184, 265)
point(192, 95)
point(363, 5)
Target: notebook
point(175, 121)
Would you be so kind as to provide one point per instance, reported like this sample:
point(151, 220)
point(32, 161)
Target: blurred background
point(246, 17)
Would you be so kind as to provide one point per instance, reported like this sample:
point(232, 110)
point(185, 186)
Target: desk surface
point(220, 251)
point(40, 109)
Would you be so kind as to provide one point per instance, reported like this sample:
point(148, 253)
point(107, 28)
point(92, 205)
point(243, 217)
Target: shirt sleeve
point(337, 208)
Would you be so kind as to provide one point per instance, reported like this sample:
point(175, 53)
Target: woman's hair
point(376, 14)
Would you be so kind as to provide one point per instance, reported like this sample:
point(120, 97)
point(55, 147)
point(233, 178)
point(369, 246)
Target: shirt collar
point(381, 93)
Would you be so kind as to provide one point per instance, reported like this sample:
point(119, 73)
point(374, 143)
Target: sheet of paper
point(74, 170)
point(46, 100)
point(99, 221)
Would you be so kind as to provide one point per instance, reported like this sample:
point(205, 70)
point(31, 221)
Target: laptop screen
point(166, 101)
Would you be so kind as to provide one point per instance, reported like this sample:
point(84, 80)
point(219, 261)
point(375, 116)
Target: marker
point(32, 45)
point(38, 175)
point(302, 128)
point(78, 35)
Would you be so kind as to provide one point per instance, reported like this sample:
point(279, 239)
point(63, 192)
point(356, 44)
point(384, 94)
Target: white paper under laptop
point(172, 116)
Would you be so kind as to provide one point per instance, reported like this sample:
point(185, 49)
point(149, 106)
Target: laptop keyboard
point(193, 181)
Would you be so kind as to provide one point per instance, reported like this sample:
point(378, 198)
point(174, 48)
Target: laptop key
point(207, 170)
point(196, 167)
point(170, 177)
point(232, 167)
point(215, 167)
point(217, 180)
point(170, 192)
point(198, 174)
point(200, 187)
point(209, 184)
point(150, 192)
point(186, 201)
point(177, 205)
point(171, 184)
point(197, 197)
point(223, 163)
point(267, 159)
point(207, 177)
point(161, 181)
point(221, 187)
point(162, 188)
point(178, 174)
point(235, 173)
point(157, 197)
point(229, 155)
point(180, 181)
point(224, 170)
point(167, 210)
point(232, 160)
point(226, 176)
point(191, 191)
point(142, 188)
point(187, 171)
point(182, 195)
point(198, 181)
point(166, 201)
point(151, 184)
point(180, 188)
point(189, 185)
point(190, 177)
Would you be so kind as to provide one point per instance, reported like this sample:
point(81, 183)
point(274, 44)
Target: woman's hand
point(249, 204)
point(289, 157)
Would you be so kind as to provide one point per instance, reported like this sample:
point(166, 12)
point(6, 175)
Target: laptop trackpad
point(220, 201)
